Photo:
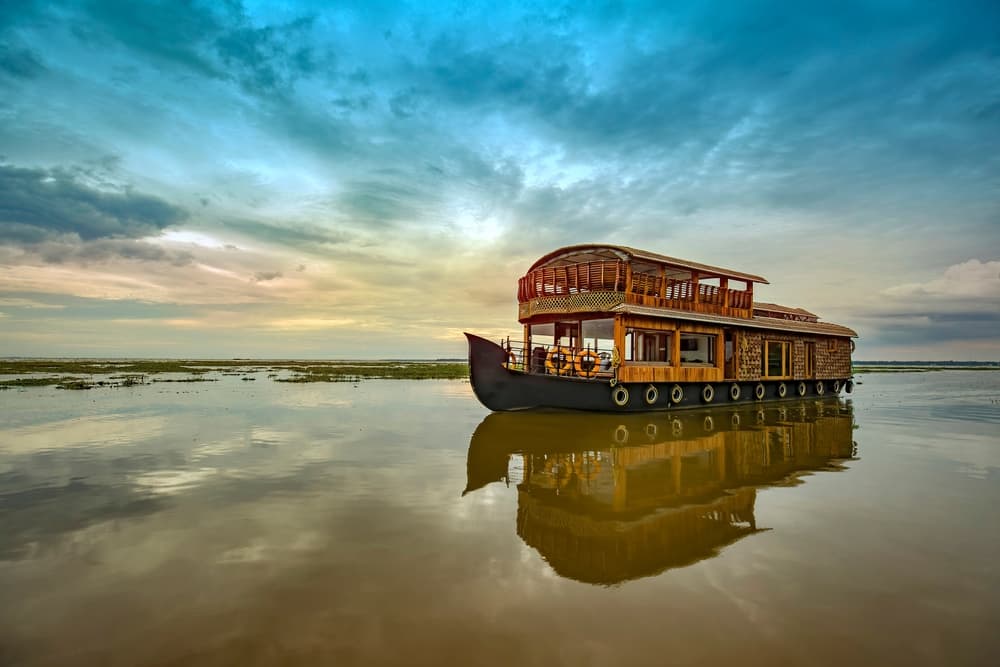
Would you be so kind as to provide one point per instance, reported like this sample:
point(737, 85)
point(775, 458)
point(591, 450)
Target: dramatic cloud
point(38, 205)
point(418, 158)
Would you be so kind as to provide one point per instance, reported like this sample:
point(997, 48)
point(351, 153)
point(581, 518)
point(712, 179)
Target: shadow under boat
point(609, 498)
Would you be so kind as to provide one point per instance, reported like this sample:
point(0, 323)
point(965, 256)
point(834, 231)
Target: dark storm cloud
point(40, 204)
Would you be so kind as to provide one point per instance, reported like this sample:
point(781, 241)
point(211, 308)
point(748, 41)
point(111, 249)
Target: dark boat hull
point(501, 389)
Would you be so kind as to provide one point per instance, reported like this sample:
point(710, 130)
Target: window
point(697, 349)
point(649, 346)
point(776, 362)
point(598, 335)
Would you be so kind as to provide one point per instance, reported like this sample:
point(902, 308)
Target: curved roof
point(605, 251)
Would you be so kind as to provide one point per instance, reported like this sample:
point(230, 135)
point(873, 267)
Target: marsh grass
point(65, 374)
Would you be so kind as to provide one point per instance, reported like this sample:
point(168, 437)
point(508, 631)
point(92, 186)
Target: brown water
point(396, 522)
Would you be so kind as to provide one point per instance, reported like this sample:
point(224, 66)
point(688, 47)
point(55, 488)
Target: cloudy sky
point(227, 179)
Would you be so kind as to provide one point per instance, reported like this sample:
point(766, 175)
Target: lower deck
point(630, 348)
point(500, 385)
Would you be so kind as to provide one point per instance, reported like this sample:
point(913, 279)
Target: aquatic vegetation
point(67, 373)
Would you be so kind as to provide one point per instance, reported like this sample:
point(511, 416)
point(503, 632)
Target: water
point(395, 522)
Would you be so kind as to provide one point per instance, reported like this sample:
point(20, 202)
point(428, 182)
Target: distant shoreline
point(923, 366)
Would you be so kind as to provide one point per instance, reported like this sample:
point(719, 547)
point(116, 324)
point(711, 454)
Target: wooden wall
point(639, 372)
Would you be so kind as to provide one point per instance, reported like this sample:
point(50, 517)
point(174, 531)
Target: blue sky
point(251, 179)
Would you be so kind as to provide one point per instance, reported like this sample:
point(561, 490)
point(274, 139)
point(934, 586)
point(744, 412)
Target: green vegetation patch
point(353, 372)
point(65, 373)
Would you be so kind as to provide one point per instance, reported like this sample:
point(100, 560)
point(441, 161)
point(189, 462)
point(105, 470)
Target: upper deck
point(597, 278)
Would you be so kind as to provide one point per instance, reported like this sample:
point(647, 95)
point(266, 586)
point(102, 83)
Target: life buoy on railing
point(620, 396)
point(802, 389)
point(734, 391)
point(820, 389)
point(559, 361)
point(587, 363)
point(708, 393)
point(782, 390)
point(759, 391)
point(836, 386)
point(676, 394)
point(651, 394)
point(852, 345)
point(849, 387)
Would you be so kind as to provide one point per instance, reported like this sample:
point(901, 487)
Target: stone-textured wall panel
point(833, 355)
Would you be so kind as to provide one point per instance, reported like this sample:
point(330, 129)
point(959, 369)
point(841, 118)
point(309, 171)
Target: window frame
point(786, 360)
point(710, 350)
point(632, 345)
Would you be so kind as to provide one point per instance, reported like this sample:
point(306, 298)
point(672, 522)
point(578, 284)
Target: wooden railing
point(639, 288)
point(572, 279)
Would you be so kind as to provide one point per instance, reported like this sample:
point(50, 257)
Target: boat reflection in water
point(608, 498)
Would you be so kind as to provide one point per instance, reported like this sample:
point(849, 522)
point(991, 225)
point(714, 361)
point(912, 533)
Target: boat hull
point(501, 389)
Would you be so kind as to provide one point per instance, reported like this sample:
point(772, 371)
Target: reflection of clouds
point(99, 431)
point(263, 435)
point(220, 448)
point(454, 389)
point(313, 399)
point(977, 457)
point(171, 482)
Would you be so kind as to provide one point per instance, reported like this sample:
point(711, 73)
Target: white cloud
point(973, 279)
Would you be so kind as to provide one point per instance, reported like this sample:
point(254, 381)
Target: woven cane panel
point(595, 301)
point(583, 302)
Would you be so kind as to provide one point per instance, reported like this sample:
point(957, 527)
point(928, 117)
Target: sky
point(368, 180)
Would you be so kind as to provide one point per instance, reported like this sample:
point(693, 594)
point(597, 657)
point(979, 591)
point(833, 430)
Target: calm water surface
point(397, 522)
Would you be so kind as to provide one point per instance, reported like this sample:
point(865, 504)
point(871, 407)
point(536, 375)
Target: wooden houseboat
point(613, 328)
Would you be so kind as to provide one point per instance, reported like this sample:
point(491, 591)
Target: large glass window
point(648, 346)
point(776, 362)
point(697, 349)
point(598, 335)
point(573, 336)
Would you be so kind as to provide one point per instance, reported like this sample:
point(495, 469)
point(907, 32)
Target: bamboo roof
point(597, 251)
point(755, 322)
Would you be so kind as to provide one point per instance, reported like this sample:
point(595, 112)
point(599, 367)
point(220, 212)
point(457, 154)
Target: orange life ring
point(581, 363)
point(559, 361)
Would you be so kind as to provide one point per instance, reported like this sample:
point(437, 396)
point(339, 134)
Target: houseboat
point(613, 328)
